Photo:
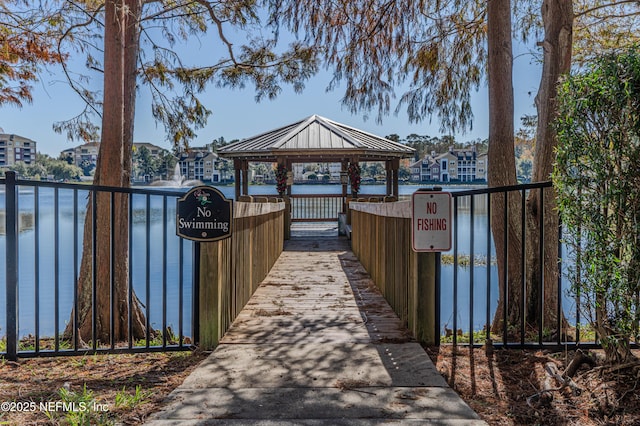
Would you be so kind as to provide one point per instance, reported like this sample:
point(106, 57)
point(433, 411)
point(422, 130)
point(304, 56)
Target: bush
point(597, 177)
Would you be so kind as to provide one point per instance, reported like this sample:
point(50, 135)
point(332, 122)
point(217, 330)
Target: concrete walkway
point(316, 345)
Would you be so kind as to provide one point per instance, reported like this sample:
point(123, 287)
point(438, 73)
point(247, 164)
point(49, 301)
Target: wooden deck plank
point(317, 342)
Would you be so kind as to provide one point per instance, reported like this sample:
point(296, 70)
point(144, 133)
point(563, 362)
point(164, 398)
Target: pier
point(316, 344)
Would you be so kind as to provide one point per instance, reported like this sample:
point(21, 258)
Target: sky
point(236, 114)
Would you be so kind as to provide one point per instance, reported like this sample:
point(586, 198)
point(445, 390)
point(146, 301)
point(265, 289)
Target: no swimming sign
point(204, 214)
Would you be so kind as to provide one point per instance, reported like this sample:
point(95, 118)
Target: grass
point(587, 335)
point(156, 339)
point(128, 401)
point(78, 408)
point(79, 362)
point(479, 337)
point(28, 343)
point(464, 260)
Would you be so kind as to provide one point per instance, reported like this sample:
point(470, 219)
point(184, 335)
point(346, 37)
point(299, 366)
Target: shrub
point(597, 177)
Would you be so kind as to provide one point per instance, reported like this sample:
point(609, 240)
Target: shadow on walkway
point(316, 344)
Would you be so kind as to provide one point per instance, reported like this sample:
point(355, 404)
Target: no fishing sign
point(431, 221)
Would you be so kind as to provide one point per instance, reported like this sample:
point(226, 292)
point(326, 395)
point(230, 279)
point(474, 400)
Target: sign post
point(430, 235)
point(203, 215)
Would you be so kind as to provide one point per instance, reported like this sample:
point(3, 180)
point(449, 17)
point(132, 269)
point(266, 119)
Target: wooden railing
point(381, 239)
point(231, 269)
point(475, 284)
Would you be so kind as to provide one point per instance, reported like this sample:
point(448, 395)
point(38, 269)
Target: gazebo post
point(289, 166)
point(395, 166)
point(245, 177)
point(344, 182)
point(355, 160)
point(389, 178)
point(352, 160)
point(282, 161)
point(237, 165)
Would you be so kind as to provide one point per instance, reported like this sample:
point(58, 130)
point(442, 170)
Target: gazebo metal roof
point(316, 138)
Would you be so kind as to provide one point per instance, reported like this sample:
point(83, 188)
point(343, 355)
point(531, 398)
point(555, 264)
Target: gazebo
point(315, 139)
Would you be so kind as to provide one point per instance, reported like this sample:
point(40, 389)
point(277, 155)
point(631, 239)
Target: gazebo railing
point(316, 207)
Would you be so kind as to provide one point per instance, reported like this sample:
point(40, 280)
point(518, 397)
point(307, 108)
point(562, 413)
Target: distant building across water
point(200, 163)
point(16, 149)
point(455, 165)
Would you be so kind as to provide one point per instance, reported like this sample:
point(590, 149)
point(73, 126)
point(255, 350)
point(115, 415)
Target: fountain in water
point(177, 180)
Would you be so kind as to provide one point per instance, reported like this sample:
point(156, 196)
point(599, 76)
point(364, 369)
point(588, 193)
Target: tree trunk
point(502, 171)
point(109, 235)
point(557, 16)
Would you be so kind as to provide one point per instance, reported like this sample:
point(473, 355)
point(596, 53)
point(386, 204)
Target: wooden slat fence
point(232, 269)
point(381, 239)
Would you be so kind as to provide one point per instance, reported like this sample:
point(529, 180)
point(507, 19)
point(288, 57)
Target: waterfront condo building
point(199, 163)
point(16, 149)
point(89, 152)
point(86, 152)
point(455, 165)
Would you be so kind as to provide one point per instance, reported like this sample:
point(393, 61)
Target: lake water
point(404, 190)
point(56, 265)
point(167, 263)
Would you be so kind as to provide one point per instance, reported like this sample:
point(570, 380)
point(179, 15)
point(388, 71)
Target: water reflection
point(25, 222)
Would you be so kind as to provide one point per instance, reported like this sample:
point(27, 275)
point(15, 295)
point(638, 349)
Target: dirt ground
point(503, 387)
point(106, 384)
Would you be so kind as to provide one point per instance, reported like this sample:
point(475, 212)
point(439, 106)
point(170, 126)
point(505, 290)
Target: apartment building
point(89, 152)
point(80, 154)
point(16, 149)
point(455, 165)
point(300, 172)
point(199, 163)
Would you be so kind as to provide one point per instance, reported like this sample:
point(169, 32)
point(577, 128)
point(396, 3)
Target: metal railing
point(43, 252)
point(474, 259)
point(473, 286)
point(316, 207)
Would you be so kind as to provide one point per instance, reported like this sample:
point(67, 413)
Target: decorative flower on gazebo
point(354, 177)
point(281, 179)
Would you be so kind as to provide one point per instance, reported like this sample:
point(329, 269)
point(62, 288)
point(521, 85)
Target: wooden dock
point(316, 344)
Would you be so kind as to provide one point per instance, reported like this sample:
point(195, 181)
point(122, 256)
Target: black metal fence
point(43, 251)
point(548, 314)
point(43, 236)
point(316, 207)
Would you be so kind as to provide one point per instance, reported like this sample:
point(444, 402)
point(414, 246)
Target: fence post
point(12, 265)
point(195, 297)
point(287, 217)
point(209, 298)
point(428, 306)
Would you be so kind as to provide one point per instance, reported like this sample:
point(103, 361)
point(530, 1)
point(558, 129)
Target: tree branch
point(164, 11)
point(602, 6)
point(218, 23)
point(65, 70)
